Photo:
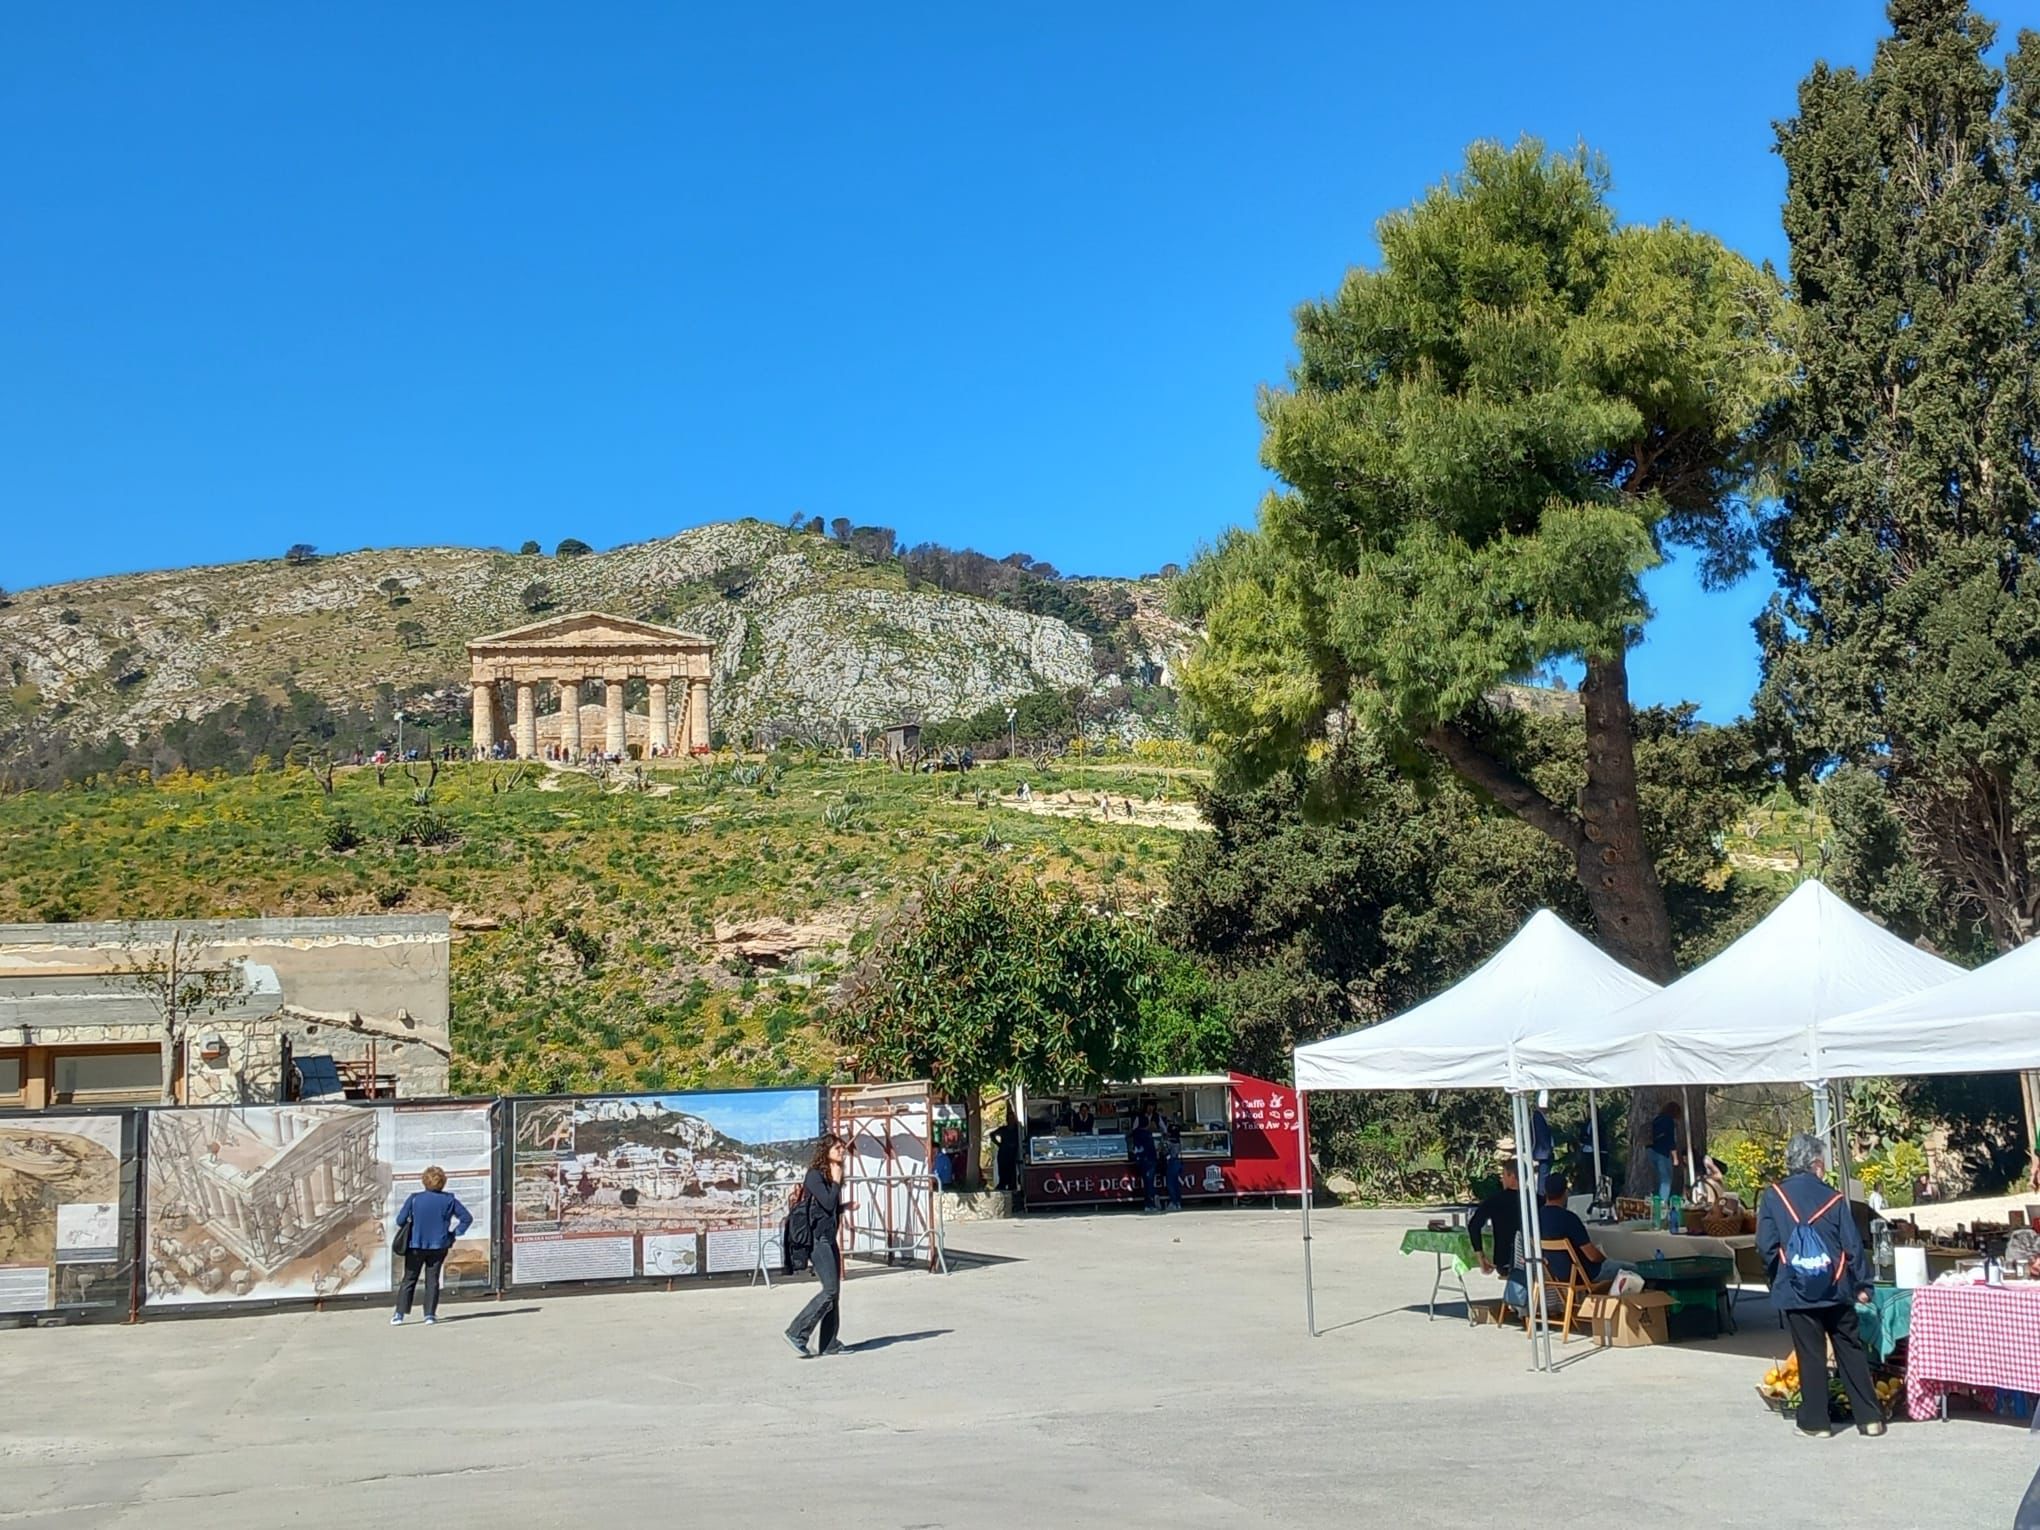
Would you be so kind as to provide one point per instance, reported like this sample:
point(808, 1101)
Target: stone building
point(510, 670)
point(359, 1003)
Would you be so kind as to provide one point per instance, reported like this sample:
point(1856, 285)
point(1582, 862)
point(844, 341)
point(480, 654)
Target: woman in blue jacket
point(435, 1218)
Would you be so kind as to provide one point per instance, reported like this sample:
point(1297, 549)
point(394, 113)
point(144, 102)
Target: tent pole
point(1692, 1163)
point(1533, 1249)
point(1841, 1089)
point(1303, 1155)
point(1594, 1123)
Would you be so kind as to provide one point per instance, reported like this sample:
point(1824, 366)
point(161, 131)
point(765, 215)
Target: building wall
point(370, 990)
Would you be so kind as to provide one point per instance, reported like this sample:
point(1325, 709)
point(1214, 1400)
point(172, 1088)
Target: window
point(11, 1075)
point(93, 1076)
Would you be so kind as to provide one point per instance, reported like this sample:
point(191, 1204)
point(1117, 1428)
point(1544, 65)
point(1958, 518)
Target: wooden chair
point(1575, 1288)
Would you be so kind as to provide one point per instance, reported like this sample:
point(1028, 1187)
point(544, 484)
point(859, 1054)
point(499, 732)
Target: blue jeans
point(1662, 1162)
point(1172, 1176)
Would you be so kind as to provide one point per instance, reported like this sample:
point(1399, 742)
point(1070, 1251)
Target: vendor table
point(1452, 1249)
point(1633, 1242)
point(1977, 1336)
point(1697, 1284)
point(1885, 1320)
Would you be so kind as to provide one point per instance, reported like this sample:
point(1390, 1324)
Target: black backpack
point(796, 1239)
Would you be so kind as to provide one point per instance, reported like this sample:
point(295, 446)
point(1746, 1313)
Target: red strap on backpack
point(1828, 1206)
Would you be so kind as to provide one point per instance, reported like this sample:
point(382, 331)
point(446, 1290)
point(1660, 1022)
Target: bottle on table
point(1678, 1206)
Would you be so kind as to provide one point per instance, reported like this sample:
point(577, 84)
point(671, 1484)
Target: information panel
point(254, 1203)
point(658, 1185)
point(60, 1221)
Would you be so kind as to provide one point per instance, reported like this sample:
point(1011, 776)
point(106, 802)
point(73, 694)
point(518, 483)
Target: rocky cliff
point(812, 636)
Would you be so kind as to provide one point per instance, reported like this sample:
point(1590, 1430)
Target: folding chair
point(1574, 1288)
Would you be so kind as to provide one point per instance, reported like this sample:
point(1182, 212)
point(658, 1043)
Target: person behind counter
point(1664, 1146)
point(1140, 1146)
point(1082, 1122)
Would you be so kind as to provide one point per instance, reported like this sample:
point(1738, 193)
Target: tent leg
point(1533, 1248)
point(1303, 1153)
point(1692, 1163)
point(1594, 1123)
point(1841, 1089)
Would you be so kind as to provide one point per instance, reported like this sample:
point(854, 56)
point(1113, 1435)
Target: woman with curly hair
point(819, 1206)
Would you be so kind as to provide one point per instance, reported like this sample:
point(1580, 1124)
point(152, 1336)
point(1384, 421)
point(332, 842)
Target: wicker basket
point(1710, 1223)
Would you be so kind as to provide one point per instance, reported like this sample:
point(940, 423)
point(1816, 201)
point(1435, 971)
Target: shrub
point(572, 547)
point(425, 828)
point(341, 834)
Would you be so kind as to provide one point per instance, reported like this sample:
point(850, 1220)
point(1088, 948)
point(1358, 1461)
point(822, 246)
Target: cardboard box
point(1482, 1312)
point(1627, 1321)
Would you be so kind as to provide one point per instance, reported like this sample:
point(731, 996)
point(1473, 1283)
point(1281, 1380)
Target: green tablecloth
point(1886, 1320)
point(1450, 1241)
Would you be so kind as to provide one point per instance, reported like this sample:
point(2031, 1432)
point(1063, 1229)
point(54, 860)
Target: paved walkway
point(1112, 1370)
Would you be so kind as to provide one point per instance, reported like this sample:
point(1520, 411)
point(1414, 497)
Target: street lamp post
point(400, 733)
point(1012, 733)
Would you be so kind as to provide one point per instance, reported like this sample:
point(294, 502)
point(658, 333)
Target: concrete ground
point(1110, 1370)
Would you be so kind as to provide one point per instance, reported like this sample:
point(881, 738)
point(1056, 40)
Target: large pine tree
point(1907, 635)
point(1485, 442)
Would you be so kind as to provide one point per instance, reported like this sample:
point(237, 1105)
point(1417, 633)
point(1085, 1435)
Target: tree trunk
point(1611, 861)
point(1614, 866)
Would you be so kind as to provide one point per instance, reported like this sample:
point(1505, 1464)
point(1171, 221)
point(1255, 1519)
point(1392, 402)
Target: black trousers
point(1812, 1328)
point(825, 1310)
point(426, 1262)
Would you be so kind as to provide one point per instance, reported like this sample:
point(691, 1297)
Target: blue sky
point(758, 1115)
point(1005, 277)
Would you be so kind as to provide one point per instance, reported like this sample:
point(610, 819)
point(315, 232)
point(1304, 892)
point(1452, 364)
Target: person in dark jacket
point(1140, 1144)
point(821, 1201)
point(435, 1218)
point(1503, 1211)
point(1804, 1198)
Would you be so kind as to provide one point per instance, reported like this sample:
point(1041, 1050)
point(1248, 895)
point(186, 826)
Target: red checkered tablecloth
point(1976, 1336)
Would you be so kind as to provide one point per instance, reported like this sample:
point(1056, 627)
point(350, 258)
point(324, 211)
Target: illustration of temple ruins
point(270, 1184)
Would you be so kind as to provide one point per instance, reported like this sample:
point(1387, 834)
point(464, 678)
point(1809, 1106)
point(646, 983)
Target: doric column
point(485, 717)
point(614, 736)
point(527, 720)
point(660, 736)
point(697, 712)
point(570, 718)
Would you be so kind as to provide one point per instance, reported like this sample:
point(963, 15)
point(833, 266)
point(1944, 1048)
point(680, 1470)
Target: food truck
point(1237, 1134)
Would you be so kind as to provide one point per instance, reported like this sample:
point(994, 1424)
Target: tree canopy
point(993, 979)
point(1906, 637)
point(1485, 442)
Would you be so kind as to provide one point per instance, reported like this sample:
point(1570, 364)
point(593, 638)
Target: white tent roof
point(1751, 1015)
point(1986, 1021)
point(1465, 1037)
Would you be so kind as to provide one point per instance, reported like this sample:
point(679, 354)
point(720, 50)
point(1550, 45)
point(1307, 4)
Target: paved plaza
point(1109, 1370)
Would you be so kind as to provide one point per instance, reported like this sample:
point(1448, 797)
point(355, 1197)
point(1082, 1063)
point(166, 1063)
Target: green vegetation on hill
point(604, 968)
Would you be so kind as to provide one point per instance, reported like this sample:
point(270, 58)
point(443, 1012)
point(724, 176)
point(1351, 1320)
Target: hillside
point(815, 635)
point(604, 936)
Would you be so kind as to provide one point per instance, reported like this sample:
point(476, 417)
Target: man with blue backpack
point(1809, 1242)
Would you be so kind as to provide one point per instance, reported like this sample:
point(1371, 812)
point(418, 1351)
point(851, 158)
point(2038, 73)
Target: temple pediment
point(580, 630)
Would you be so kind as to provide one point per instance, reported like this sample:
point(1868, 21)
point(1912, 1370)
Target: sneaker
point(835, 1347)
point(1872, 1429)
point(798, 1347)
point(1815, 1434)
point(430, 1320)
point(396, 1320)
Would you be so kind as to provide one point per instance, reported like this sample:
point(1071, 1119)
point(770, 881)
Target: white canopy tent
point(1755, 1014)
point(1548, 975)
point(1466, 1038)
point(1986, 1021)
